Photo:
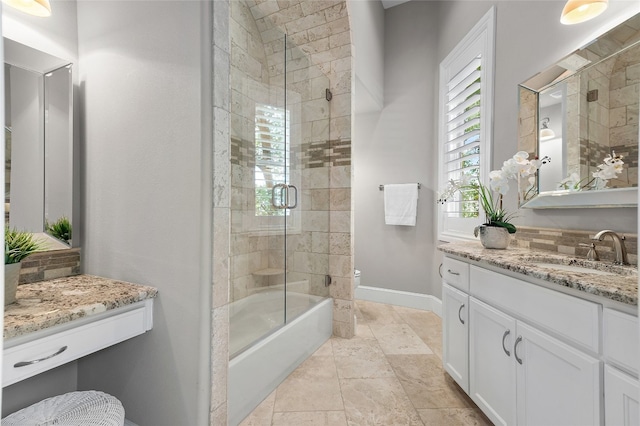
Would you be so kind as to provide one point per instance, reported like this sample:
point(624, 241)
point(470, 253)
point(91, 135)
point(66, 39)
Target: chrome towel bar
point(382, 186)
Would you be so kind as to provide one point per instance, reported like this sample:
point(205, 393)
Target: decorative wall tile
point(569, 242)
point(49, 265)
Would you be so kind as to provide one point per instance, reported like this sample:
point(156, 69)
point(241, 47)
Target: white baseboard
point(425, 302)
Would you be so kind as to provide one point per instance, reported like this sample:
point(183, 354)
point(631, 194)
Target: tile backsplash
point(49, 265)
point(567, 241)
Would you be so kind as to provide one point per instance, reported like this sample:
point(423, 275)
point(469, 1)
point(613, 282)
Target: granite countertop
point(620, 286)
point(47, 303)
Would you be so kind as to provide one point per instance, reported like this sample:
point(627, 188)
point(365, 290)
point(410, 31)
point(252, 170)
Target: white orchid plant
point(519, 168)
point(610, 168)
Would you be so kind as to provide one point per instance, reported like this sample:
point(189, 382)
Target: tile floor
point(389, 374)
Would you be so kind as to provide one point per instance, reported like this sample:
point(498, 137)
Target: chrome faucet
point(618, 245)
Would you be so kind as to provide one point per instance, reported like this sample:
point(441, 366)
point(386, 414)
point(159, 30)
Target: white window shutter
point(465, 126)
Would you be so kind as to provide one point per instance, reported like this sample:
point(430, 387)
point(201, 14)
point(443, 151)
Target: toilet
point(356, 278)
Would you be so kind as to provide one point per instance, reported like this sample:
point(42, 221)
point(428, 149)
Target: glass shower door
point(280, 198)
point(309, 161)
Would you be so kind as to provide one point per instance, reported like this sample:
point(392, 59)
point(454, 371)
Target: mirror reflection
point(38, 150)
point(582, 113)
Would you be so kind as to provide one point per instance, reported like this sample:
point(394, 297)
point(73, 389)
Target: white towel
point(401, 204)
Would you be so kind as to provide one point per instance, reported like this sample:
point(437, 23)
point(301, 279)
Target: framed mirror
point(582, 115)
point(39, 144)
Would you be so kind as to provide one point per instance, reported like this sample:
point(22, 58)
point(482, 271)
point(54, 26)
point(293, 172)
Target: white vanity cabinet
point(532, 352)
point(455, 332)
point(455, 311)
point(520, 375)
point(492, 370)
point(621, 353)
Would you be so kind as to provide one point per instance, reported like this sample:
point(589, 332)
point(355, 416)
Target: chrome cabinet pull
point(35, 361)
point(504, 336)
point(515, 349)
point(453, 273)
point(440, 270)
point(460, 310)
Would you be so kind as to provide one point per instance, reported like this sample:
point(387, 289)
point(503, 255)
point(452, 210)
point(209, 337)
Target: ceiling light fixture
point(546, 133)
point(40, 8)
point(577, 11)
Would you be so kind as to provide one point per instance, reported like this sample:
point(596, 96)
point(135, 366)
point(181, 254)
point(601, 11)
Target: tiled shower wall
point(321, 29)
point(322, 60)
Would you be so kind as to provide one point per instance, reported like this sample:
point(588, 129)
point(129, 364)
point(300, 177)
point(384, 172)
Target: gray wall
point(399, 144)
point(396, 145)
point(367, 26)
point(140, 72)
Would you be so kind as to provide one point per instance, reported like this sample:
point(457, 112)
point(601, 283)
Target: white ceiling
point(390, 3)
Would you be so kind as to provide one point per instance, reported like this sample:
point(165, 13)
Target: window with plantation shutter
point(272, 156)
point(466, 95)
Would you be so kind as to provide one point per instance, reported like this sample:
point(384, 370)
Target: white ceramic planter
point(11, 277)
point(493, 237)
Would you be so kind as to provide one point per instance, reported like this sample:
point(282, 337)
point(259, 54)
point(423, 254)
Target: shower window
point(272, 153)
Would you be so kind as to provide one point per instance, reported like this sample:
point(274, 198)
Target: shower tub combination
point(257, 368)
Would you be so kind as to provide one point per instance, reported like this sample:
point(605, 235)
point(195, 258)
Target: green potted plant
point(60, 229)
point(17, 246)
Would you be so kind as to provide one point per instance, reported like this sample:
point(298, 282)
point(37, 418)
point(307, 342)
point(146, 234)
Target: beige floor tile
point(453, 417)
point(426, 383)
point(363, 331)
point(310, 418)
point(418, 316)
point(363, 366)
point(325, 350)
point(378, 313)
point(311, 387)
point(301, 394)
point(380, 401)
point(426, 324)
point(263, 413)
point(355, 347)
point(399, 339)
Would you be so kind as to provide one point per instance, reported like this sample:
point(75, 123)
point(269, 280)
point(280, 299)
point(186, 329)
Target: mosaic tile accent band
point(311, 155)
point(49, 265)
point(568, 242)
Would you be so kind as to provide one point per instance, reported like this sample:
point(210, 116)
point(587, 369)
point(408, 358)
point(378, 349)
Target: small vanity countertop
point(48, 303)
point(620, 287)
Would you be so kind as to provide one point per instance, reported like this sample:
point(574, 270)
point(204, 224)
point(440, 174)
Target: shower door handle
point(295, 197)
point(282, 204)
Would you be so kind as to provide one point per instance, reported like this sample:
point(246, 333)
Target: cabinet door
point(455, 335)
point(621, 395)
point(492, 371)
point(557, 384)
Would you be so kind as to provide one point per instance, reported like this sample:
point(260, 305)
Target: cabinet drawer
point(620, 336)
point(28, 359)
point(456, 273)
point(570, 317)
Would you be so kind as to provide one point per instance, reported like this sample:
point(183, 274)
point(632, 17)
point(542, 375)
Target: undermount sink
point(572, 268)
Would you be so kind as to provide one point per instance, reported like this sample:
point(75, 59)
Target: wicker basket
point(71, 409)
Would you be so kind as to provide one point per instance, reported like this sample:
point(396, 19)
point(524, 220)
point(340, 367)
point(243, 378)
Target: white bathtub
point(260, 367)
